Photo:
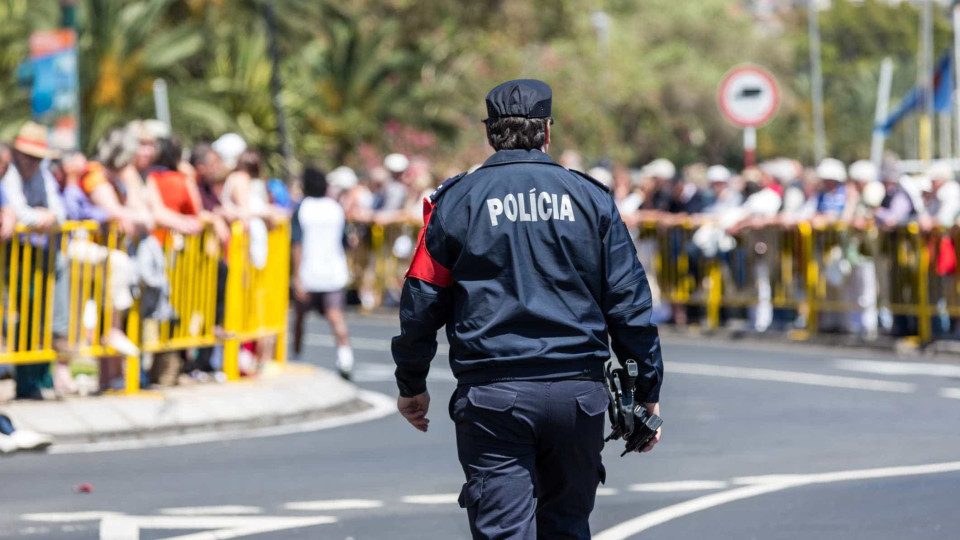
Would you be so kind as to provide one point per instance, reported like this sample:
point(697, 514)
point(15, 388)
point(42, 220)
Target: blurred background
point(187, 186)
point(634, 80)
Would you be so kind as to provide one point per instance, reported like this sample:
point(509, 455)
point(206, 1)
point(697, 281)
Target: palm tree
point(124, 46)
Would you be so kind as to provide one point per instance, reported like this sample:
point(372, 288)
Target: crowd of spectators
point(142, 181)
point(720, 206)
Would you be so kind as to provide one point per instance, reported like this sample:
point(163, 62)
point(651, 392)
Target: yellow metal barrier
point(91, 257)
point(28, 265)
point(802, 268)
point(257, 299)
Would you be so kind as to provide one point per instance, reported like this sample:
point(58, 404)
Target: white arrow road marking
point(899, 368)
point(121, 527)
point(797, 377)
point(684, 485)
point(338, 504)
point(607, 492)
point(225, 510)
point(438, 498)
point(761, 485)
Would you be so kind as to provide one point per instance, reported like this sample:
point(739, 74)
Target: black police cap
point(528, 98)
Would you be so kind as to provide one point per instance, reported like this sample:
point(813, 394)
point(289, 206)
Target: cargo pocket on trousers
point(471, 492)
point(494, 399)
point(594, 402)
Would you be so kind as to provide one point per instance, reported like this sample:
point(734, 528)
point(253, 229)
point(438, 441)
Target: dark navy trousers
point(530, 451)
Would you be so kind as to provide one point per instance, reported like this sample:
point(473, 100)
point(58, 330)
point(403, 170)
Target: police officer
point(530, 268)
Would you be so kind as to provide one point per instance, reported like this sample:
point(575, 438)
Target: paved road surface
point(760, 442)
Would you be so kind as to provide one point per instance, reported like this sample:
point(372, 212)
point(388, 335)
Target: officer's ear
point(546, 135)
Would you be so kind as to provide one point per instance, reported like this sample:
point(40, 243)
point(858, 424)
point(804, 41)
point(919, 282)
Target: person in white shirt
point(319, 269)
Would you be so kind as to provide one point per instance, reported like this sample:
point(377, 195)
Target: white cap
point(718, 173)
point(832, 169)
point(396, 163)
point(923, 183)
point(940, 170)
point(342, 178)
point(864, 171)
point(660, 168)
point(781, 169)
point(229, 146)
point(602, 174)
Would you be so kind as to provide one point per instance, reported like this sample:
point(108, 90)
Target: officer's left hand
point(414, 409)
point(652, 408)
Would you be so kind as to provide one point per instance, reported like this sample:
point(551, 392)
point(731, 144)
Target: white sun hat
point(864, 171)
point(396, 163)
point(832, 169)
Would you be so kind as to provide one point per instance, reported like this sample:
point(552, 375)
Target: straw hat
point(32, 141)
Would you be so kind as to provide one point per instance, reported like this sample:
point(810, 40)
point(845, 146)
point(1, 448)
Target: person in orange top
point(172, 191)
point(172, 196)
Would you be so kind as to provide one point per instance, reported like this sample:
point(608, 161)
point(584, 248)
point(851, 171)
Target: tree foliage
point(411, 74)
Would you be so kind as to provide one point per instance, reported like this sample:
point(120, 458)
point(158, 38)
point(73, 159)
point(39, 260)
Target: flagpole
point(816, 83)
point(925, 76)
point(956, 73)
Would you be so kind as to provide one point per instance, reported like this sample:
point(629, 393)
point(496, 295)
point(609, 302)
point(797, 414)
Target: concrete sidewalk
point(282, 395)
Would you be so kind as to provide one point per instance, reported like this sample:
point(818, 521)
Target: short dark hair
point(199, 153)
point(314, 182)
point(169, 153)
point(517, 132)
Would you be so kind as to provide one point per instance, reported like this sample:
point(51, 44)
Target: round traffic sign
point(748, 96)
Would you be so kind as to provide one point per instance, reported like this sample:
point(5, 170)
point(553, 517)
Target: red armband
point(423, 266)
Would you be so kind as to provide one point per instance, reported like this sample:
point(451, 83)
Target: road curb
point(285, 395)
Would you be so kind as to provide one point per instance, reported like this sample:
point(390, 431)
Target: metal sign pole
point(749, 146)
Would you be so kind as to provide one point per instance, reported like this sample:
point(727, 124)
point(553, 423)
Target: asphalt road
point(760, 442)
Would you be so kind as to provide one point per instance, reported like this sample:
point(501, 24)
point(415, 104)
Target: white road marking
point(364, 344)
point(122, 527)
point(382, 405)
point(899, 368)
point(224, 510)
point(338, 504)
point(382, 372)
point(797, 377)
point(683, 485)
point(437, 498)
point(663, 515)
point(67, 517)
point(952, 393)
point(607, 492)
point(761, 485)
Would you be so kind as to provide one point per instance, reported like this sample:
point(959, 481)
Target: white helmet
point(832, 169)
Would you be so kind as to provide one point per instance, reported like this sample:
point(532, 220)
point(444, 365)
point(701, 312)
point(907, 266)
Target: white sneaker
point(31, 440)
point(7, 444)
point(345, 361)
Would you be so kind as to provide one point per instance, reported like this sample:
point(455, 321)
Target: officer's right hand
point(652, 408)
point(414, 409)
